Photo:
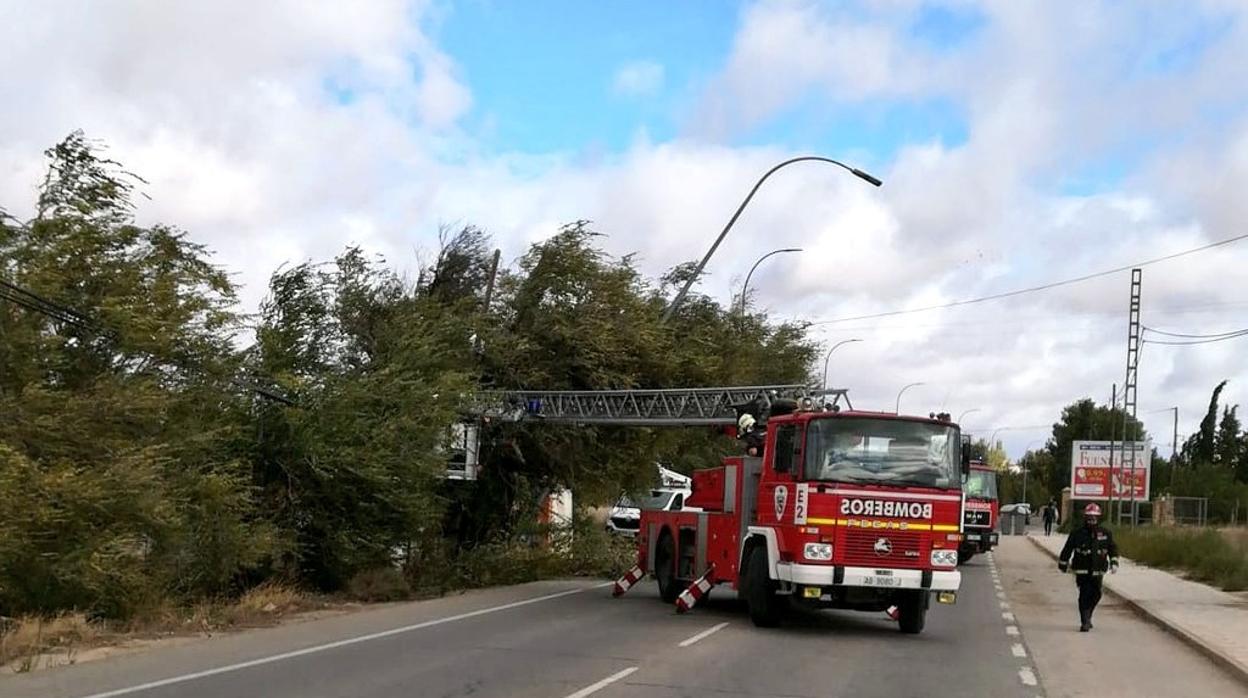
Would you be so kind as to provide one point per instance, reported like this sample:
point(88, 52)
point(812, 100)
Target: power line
point(34, 305)
point(1237, 335)
point(1195, 336)
point(34, 302)
point(1034, 289)
point(5, 285)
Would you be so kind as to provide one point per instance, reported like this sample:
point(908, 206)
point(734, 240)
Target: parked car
point(625, 516)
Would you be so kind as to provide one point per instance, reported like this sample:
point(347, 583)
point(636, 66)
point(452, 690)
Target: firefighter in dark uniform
point(1094, 553)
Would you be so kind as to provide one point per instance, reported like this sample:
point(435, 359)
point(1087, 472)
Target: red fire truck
point(844, 509)
point(983, 511)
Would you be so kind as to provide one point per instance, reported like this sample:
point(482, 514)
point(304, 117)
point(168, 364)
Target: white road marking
point(1011, 630)
point(1009, 617)
point(594, 688)
point(1027, 676)
point(335, 645)
point(1018, 649)
point(703, 634)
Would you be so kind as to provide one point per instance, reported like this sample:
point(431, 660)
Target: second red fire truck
point(838, 509)
point(983, 511)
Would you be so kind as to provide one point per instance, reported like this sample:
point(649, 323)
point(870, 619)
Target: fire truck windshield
point(884, 451)
point(981, 484)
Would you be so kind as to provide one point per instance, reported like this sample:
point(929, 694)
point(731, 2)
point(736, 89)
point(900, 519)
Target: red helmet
point(1092, 510)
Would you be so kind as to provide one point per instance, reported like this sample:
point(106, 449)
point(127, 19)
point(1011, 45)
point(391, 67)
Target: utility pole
point(1129, 385)
point(1174, 447)
point(489, 286)
point(1113, 439)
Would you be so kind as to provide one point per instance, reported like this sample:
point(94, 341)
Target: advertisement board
point(1090, 475)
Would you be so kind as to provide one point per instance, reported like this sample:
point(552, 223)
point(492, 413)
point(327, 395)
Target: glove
point(1061, 566)
point(1113, 567)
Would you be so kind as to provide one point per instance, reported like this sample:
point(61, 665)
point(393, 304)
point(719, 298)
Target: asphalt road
point(571, 639)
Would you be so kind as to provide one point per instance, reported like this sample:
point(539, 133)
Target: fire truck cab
point(983, 511)
point(844, 509)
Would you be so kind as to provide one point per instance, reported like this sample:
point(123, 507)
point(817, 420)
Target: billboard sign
point(1090, 476)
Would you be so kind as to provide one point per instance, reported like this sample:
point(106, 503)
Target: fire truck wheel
point(765, 606)
point(912, 609)
point(664, 569)
point(963, 558)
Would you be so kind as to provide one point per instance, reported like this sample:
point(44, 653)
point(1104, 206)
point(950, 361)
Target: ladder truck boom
point(647, 407)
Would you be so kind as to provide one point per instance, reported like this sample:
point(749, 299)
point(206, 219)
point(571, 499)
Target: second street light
point(697, 272)
point(904, 389)
point(963, 415)
point(827, 358)
point(745, 288)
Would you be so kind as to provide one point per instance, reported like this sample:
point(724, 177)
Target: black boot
point(1085, 622)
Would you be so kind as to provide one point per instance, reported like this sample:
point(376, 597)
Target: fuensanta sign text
point(1091, 477)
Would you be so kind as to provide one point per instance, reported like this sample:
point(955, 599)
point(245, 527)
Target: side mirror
point(966, 462)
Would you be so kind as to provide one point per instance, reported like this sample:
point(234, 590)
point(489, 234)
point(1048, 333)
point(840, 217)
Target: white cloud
point(638, 79)
point(286, 130)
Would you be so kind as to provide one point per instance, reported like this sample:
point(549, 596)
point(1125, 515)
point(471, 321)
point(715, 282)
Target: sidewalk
point(1212, 621)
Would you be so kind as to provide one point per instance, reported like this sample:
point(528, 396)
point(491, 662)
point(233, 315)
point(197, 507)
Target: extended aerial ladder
point(717, 406)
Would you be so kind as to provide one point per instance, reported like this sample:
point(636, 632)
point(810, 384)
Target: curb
point(1232, 666)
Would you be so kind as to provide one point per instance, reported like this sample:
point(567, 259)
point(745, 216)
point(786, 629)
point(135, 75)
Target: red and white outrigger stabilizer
point(695, 592)
point(626, 582)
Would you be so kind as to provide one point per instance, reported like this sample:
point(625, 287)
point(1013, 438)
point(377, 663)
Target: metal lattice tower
point(1128, 388)
point(668, 407)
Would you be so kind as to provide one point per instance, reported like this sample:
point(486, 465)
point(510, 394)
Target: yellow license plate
point(812, 592)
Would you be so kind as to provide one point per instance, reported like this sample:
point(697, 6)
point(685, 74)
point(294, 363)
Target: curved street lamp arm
point(746, 286)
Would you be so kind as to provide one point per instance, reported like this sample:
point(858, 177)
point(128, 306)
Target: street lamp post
point(671, 308)
point(745, 288)
point(963, 415)
point(899, 392)
point(829, 356)
point(992, 440)
point(1027, 450)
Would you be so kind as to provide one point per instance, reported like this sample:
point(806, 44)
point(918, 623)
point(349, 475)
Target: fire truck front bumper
point(872, 577)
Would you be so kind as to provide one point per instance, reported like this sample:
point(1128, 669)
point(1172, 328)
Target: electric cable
point(1034, 289)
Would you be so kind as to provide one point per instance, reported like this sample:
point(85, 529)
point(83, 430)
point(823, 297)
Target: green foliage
point(117, 469)
point(146, 459)
point(377, 377)
point(1205, 555)
point(1228, 498)
point(379, 584)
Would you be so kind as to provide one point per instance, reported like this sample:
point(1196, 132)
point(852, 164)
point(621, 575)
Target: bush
point(379, 584)
point(537, 553)
point(1204, 555)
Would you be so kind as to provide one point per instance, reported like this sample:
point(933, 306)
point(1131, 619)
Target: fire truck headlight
point(944, 558)
point(817, 551)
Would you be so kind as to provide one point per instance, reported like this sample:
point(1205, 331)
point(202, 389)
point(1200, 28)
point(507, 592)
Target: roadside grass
point(32, 642)
point(1202, 554)
point(23, 641)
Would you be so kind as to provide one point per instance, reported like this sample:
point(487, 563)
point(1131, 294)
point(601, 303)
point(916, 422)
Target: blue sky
point(541, 75)
point(542, 78)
